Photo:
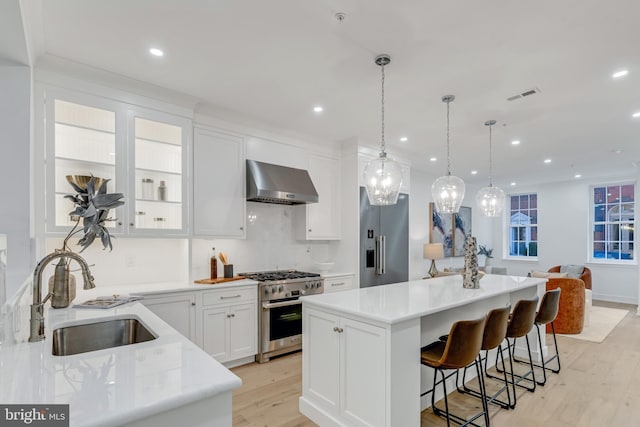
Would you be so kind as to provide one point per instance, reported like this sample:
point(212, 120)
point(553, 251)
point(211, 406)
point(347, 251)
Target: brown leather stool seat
point(495, 331)
point(546, 315)
point(521, 322)
point(461, 349)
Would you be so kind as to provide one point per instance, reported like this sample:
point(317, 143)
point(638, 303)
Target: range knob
point(266, 290)
point(280, 288)
point(307, 286)
point(273, 289)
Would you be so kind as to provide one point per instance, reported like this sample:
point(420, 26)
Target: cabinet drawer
point(340, 283)
point(229, 296)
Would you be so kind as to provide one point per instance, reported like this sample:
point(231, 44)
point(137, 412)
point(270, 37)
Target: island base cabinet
point(343, 362)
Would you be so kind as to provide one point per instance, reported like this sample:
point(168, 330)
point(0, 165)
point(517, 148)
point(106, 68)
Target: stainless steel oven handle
point(266, 305)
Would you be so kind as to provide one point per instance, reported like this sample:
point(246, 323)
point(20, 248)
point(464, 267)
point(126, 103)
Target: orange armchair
point(570, 319)
point(586, 275)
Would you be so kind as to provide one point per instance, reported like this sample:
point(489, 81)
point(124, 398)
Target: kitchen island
point(361, 348)
point(165, 381)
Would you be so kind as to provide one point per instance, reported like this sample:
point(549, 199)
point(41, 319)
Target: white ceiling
point(271, 61)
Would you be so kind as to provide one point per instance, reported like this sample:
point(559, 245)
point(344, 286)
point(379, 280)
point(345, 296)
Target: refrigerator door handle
point(381, 255)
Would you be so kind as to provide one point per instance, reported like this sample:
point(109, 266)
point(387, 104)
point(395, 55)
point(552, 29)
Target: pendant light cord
point(382, 143)
point(490, 156)
point(448, 150)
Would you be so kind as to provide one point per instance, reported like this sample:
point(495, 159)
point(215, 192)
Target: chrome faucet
point(37, 308)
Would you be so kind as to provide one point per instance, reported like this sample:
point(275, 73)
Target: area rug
point(603, 320)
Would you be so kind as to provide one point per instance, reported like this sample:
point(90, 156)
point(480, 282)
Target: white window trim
point(606, 261)
point(506, 227)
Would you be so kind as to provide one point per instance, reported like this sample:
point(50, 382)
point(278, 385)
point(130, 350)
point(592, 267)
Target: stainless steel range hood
point(268, 183)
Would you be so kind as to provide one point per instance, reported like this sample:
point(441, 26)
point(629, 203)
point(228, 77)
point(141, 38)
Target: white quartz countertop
point(403, 301)
point(113, 386)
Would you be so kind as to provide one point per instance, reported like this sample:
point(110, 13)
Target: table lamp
point(433, 251)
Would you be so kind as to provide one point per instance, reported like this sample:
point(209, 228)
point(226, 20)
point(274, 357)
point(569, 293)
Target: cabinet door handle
point(193, 303)
point(132, 224)
point(119, 222)
point(310, 230)
point(233, 296)
point(241, 228)
point(338, 330)
point(337, 284)
point(231, 315)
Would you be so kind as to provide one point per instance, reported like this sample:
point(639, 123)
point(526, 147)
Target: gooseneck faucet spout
point(37, 308)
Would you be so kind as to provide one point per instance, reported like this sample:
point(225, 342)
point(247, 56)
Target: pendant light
point(490, 199)
point(382, 176)
point(448, 191)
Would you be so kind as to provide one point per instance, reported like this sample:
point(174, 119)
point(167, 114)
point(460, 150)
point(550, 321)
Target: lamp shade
point(434, 251)
point(447, 193)
point(490, 200)
point(383, 178)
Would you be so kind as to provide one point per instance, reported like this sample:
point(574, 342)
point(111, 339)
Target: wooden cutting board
point(218, 280)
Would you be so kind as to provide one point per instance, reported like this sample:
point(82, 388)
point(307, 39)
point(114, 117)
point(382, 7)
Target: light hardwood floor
point(599, 385)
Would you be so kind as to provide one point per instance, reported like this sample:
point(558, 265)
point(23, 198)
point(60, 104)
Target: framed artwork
point(451, 230)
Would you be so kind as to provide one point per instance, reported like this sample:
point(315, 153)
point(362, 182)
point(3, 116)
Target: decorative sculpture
point(470, 277)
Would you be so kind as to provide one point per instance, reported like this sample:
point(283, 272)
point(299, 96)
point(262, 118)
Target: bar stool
point(495, 331)
point(521, 322)
point(547, 314)
point(461, 349)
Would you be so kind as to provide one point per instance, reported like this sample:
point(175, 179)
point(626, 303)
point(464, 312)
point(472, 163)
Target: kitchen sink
point(98, 336)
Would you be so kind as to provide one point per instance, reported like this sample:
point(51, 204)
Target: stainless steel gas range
point(280, 309)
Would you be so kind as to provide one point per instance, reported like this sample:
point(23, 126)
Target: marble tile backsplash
point(270, 245)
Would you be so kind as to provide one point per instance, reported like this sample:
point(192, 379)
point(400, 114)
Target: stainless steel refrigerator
point(384, 241)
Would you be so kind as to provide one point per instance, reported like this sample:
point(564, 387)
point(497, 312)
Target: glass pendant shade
point(383, 178)
point(490, 200)
point(448, 192)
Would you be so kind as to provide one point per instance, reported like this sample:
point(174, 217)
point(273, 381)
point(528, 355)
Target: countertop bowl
point(82, 180)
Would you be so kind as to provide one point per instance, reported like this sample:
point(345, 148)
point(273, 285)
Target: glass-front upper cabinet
point(159, 153)
point(142, 152)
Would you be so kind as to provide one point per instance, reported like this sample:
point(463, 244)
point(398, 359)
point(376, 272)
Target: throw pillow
point(572, 270)
point(547, 275)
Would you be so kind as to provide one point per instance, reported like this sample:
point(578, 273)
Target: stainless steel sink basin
point(100, 335)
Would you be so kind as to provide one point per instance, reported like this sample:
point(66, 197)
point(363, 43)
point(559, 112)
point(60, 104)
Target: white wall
point(15, 101)
point(563, 234)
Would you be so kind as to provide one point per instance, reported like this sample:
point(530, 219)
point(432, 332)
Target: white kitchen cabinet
point(344, 362)
point(229, 323)
point(339, 283)
point(90, 135)
point(218, 184)
point(177, 309)
point(322, 220)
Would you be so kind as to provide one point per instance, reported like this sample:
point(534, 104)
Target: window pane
point(627, 212)
point(524, 202)
point(598, 250)
point(522, 233)
point(613, 194)
point(513, 249)
point(514, 203)
point(514, 217)
point(599, 195)
point(533, 201)
point(627, 192)
point(522, 248)
point(534, 216)
point(598, 232)
point(598, 213)
point(533, 249)
point(534, 233)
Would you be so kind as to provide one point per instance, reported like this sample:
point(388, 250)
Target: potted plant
point(487, 252)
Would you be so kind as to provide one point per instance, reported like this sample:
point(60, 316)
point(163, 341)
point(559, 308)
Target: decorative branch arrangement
point(483, 250)
point(92, 206)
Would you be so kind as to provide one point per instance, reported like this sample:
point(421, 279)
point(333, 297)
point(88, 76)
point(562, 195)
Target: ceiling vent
point(523, 94)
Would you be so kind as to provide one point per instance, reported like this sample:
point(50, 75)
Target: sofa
point(586, 278)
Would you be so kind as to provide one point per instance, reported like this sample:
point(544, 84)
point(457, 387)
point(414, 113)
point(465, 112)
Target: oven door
point(281, 324)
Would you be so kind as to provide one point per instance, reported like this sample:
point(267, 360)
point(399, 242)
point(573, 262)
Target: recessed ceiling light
point(156, 52)
point(547, 161)
point(616, 151)
point(636, 114)
point(515, 142)
point(433, 159)
point(318, 109)
point(619, 74)
point(513, 184)
point(474, 172)
point(404, 139)
point(577, 175)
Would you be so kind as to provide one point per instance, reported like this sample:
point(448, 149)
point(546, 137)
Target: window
point(613, 222)
point(523, 225)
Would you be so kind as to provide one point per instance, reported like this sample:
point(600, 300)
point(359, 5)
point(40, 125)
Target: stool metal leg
point(544, 363)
